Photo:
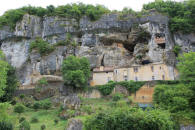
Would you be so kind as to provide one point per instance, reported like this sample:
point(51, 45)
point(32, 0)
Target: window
point(163, 77)
point(136, 79)
point(152, 68)
point(153, 78)
point(109, 78)
point(135, 69)
point(115, 71)
point(125, 77)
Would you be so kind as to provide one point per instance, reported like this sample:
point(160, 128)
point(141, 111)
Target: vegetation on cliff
point(182, 14)
point(76, 11)
point(76, 71)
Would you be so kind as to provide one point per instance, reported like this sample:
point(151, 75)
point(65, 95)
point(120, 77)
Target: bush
point(130, 119)
point(22, 119)
point(22, 96)
point(19, 108)
point(42, 46)
point(117, 97)
point(56, 121)
point(24, 125)
point(36, 106)
point(42, 82)
point(76, 71)
point(131, 86)
point(173, 97)
point(43, 127)
point(6, 125)
point(34, 120)
point(87, 109)
point(176, 49)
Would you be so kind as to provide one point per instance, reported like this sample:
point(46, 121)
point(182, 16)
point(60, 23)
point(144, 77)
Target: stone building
point(149, 72)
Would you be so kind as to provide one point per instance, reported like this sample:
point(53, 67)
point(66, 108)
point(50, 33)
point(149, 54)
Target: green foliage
point(76, 71)
point(34, 120)
point(42, 82)
point(42, 46)
point(22, 119)
point(24, 125)
point(117, 97)
point(173, 97)
point(76, 11)
point(11, 84)
point(106, 89)
point(6, 125)
point(3, 112)
point(130, 118)
point(56, 121)
point(43, 104)
point(176, 50)
point(19, 108)
point(186, 66)
point(87, 109)
point(3, 74)
point(131, 86)
point(181, 13)
point(43, 127)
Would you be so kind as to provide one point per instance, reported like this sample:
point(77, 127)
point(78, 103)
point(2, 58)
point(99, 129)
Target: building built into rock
point(149, 72)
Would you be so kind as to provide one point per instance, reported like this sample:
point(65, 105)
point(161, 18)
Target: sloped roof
point(104, 69)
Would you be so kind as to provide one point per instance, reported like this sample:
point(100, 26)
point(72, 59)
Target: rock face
point(74, 124)
point(109, 41)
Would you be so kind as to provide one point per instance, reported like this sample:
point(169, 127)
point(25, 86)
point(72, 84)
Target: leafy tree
point(42, 46)
point(173, 97)
point(186, 66)
point(76, 71)
point(11, 84)
point(25, 125)
point(130, 119)
point(19, 108)
point(3, 74)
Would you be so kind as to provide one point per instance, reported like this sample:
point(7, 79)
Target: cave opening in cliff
point(145, 62)
point(129, 47)
point(162, 45)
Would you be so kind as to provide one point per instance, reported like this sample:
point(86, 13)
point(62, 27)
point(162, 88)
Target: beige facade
point(102, 75)
point(149, 72)
point(155, 71)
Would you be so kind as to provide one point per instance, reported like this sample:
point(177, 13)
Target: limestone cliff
point(109, 41)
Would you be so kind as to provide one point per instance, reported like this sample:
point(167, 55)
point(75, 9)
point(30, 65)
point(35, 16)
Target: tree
point(3, 74)
point(19, 108)
point(76, 71)
point(11, 84)
point(130, 119)
point(186, 66)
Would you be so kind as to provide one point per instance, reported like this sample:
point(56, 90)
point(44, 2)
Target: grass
point(46, 117)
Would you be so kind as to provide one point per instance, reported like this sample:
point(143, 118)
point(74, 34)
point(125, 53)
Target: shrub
point(36, 105)
point(117, 97)
point(76, 71)
point(19, 108)
point(43, 127)
point(87, 109)
point(56, 121)
point(6, 125)
point(46, 104)
point(42, 46)
point(22, 96)
point(130, 119)
point(176, 49)
point(34, 120)
point(42, 82)
point(22, 119)
point(24, 125)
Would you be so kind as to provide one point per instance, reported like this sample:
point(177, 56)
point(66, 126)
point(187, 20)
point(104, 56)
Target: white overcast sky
point(111, 4)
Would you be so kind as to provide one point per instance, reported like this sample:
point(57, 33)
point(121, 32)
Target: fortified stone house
point(149, 72)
